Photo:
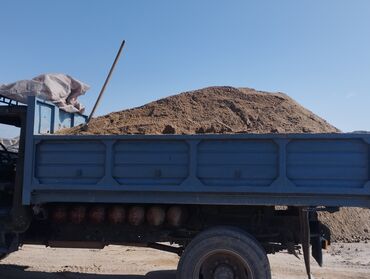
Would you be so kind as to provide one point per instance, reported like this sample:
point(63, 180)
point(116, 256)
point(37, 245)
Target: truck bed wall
point(244, 169)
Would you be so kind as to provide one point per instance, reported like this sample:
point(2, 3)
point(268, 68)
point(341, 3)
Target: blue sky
point(318, 52)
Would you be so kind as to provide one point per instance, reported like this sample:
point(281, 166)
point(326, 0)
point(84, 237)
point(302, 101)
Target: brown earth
point(348, 225)
point(231, 110)
point(212, 110)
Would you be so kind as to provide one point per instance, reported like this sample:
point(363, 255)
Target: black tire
point(9, 244)
point(224, 252)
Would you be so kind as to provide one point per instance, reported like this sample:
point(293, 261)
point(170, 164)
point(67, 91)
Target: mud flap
point(316, 241)
point(305, 238)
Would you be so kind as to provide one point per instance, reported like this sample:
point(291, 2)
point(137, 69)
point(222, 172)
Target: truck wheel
point(224, 253)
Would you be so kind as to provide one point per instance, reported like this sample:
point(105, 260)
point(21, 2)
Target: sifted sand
point(212, 110)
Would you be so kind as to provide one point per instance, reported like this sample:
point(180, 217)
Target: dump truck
point(221, 202)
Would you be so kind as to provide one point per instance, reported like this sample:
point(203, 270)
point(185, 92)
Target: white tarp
point(10, 144)
point(63, 90)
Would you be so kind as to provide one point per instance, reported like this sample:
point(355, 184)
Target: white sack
point(63, 90)
point(10, 144)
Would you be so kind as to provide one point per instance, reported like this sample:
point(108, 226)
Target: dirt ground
point(342, 261)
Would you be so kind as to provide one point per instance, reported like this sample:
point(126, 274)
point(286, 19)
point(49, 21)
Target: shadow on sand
point(21, 272)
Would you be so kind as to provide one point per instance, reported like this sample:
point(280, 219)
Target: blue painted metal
point(243, 169)
point(48, 118)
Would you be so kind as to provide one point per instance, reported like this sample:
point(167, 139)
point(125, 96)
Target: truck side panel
point(45, 118)
point(306, 169)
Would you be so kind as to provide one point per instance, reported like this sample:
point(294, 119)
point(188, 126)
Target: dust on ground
point(342, 261)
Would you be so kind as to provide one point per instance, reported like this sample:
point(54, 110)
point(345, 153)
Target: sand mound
point(213, 110)
point(230, 110)
point(348, 225)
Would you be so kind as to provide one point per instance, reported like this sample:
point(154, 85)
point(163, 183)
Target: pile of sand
point(348, 225)
point(212, 110)
point(230, 110)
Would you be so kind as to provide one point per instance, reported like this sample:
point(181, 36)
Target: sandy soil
point(348, 225)
point(343, 261)
point(215, 110)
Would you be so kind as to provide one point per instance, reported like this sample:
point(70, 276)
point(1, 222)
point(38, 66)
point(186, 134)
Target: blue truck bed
point(241, 169)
